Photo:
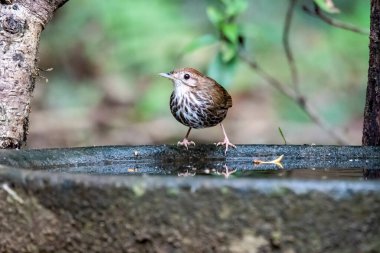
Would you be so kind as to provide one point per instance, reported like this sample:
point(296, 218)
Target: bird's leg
point(185, 141)
point(226, 140)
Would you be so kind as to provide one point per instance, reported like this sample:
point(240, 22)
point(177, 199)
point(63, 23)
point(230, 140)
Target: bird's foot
point(185, 143)
point(226, 143)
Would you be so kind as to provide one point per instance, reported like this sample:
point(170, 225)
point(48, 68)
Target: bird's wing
point(221, 96)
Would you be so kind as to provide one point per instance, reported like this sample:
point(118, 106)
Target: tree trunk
point(371, 127)
point(21, 23)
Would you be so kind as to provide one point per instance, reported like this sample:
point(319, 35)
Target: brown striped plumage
point(198, 101)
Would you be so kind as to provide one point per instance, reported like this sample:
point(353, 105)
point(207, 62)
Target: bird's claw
point(226, 143)
point(185, 143)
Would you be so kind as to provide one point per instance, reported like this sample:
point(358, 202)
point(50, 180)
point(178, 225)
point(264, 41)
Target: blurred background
point(104, 88)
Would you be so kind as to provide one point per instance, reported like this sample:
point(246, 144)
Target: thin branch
point(333, 22)
point(287, 48)
point(284, 89)
point(299, 100)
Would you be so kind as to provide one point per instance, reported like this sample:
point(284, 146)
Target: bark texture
point(371, 127)
point(21, 23)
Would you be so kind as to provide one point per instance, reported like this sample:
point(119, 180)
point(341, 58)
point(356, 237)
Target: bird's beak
point(167, 75)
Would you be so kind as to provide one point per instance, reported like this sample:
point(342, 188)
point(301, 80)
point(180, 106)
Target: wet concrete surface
point(150, 199)
point(170, 160)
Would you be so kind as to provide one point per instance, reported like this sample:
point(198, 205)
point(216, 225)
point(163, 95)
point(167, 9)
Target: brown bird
point(198, 101)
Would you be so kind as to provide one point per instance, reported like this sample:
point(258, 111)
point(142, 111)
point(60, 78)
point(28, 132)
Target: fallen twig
point(12, 193)
point(276, 162)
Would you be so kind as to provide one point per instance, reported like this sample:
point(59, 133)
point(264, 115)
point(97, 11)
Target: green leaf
point(199, 42)
point(227, 2)
point(241, 5)
point(229, 51)
point(222, 72)
point(231, 31)
point(235, 7)
point(327, 6)
point(215, 16)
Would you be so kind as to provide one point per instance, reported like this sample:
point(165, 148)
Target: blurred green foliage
point(222, 68)
point(117, 47)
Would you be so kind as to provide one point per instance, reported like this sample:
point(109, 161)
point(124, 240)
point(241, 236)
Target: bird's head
point(186, 76)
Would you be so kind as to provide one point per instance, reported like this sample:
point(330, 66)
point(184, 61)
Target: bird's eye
point(186, 76)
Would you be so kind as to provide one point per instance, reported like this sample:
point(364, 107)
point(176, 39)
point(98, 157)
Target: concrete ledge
point(46, 209)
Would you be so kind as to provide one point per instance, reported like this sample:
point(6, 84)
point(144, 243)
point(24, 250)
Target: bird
point(198, 101)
